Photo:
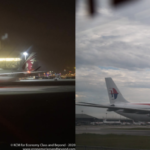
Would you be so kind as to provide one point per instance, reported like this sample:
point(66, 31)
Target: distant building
point(9, 63)
point(86, 119)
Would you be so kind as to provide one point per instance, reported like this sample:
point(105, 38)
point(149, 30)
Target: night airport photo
point(37, 74)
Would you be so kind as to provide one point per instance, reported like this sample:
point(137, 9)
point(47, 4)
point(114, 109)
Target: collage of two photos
point(74, 74)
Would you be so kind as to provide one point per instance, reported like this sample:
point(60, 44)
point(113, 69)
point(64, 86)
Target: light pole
point(25, 54)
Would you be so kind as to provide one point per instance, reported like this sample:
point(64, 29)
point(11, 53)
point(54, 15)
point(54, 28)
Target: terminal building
point(87, 119)
point(9, 63)
point(83, 118)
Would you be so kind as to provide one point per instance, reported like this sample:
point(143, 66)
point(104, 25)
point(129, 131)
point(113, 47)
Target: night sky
point(46, 27)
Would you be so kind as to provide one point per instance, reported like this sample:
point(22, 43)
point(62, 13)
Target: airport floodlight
point(25, 54)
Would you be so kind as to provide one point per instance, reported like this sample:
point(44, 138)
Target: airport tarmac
point(34, 113)
point(45, 80)
point(119, 130)
point(45, 116)
point(35, 89)
point(41, 82)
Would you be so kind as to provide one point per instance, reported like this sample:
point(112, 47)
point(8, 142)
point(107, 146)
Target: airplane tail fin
point(114, 94)
point(27, 65)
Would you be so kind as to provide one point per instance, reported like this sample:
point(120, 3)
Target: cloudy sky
point(115, 43)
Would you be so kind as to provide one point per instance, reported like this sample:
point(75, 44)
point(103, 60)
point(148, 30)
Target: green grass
point(130, 128)
point(111, 140)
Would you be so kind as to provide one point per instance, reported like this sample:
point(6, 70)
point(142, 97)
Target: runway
point(35, 89)
point(119, 130)
point(45, 80)
point(32, 111)
point(37, 114)
point(40, 82)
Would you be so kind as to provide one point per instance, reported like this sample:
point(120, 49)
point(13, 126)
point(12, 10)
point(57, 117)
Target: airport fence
point(81, 147)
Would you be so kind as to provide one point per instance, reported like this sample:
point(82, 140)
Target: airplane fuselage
point(118, 104)
point(134, 115)
point(8, 79)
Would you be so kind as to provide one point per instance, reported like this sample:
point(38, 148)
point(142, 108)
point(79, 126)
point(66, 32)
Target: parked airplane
point(125, 123)
point(135, 111)
point(96, 123)
point(22, 71)
point(139, 123)
point(111, 122)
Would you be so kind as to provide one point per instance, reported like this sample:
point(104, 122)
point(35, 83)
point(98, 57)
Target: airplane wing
point(37, 68)
point(116, 108)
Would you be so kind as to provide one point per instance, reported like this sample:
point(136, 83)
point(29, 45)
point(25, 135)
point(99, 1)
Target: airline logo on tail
point(113, 93)
point(29, 62)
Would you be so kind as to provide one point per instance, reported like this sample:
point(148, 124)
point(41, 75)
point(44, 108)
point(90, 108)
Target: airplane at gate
point(118, 104)
point(22, 71)
point(139, 123)
point(96, 123)
point(111, 122)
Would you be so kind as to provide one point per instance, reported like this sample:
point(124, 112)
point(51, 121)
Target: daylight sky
point(115, 43)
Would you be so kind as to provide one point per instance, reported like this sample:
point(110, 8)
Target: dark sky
point(48, 26)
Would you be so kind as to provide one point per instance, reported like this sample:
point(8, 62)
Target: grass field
point(111, 140)
point(129, 128)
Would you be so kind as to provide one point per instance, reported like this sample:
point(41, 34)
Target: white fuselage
point(8, 78)
point(133, 115)
point(96, 123)
point(10, 75)
point(111, 122)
